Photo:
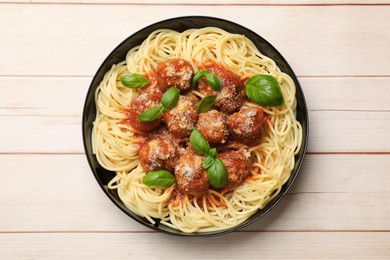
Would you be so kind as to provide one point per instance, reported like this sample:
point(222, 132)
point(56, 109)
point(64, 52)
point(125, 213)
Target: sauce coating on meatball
point(238, 165)
point(248, 126)
point(213, 126)
point(232, 96)
point(190, 175)
point(140, 104)
point(174, 73)
point(159, 154)
point(181, 119)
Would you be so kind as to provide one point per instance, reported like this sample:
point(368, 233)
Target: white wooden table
point(50, 204)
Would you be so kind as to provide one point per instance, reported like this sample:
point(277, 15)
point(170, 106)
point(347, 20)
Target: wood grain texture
point(158, 246)
point(206, 2)
point(51, 206)
point(316, 40)
point(337, 108)
point(47, 96)
point(330, 132)
point(332, 192)
point(64, 96)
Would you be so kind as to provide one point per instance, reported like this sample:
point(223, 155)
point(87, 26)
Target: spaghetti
point(116, 148)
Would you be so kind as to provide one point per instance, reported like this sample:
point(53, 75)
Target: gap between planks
point(80, 116)
point(307, 153)
point(239, 231)
point(193, 4)
point(91, 76)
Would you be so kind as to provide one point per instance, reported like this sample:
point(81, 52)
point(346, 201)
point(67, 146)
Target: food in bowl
point(199, 127)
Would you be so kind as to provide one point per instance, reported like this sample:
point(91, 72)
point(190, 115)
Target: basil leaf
point(198, 75)
point(151, 114)
point(208, 161)
point(199, 143)
point(170, 98)
point(206, 103)
point(217, 174)
point(264, 90)
point(213, 153)
point(214, 81)
point(134, 80)
point(159, 179)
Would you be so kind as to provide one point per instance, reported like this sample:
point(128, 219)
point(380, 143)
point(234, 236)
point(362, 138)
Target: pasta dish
point(199, 127)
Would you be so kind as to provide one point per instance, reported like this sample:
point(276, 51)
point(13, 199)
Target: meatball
point(213, 126)
point(190, 175)
point(140, 104)
point(181, 119)
point(238, 165)
point(232, 96)
point(174, 73)
point(248, 125)
point(159, 154)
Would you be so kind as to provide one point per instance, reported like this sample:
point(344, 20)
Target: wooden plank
point(44, 40)
point(356, 93)
point(206, 2)
point(58, 193)
point(343, 173)
point(349, 131)
point(64, 96)
point(41, 134)
point(234, 246)
point(330, 131)
point(38, 96)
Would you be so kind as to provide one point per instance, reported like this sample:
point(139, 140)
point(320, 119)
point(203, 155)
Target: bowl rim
point(274, 202)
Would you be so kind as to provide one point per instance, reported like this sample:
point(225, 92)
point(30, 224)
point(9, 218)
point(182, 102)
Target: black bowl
point(181, 24)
